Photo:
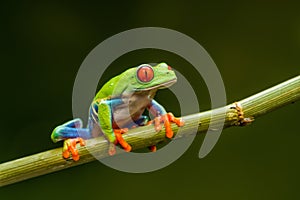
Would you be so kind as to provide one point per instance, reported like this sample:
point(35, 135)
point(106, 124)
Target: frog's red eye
point(145, 73)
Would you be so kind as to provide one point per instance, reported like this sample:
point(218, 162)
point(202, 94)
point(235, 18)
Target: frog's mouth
point(159, 86)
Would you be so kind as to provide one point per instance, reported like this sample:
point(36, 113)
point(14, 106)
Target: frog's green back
point(108, 88)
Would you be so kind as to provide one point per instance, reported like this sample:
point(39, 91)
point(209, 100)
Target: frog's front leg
point(161, 115)
point(114, 136)
point(72, 133)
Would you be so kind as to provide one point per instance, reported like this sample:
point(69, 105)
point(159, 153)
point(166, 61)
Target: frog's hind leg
point(72, 133)
point(75, 123)
point(70, 129)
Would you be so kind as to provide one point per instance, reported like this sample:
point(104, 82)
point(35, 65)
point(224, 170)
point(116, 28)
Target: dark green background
point(255, 45)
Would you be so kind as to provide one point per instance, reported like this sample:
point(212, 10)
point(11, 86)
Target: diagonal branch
point(238, 113)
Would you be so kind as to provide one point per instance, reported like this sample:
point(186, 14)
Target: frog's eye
point(145, 73)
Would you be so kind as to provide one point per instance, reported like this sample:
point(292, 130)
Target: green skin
point(120, 104)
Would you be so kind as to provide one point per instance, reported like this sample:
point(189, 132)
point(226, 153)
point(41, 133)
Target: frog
point(120, 105)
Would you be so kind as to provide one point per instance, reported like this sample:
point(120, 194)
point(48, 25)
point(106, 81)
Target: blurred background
point(255, 46)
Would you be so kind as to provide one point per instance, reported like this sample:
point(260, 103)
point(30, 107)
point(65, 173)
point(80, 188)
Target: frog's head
point(147, 77)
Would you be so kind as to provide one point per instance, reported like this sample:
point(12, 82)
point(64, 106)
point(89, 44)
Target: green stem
point(252, 107)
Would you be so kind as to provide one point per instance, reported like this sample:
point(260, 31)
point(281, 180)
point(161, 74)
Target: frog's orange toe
point(167, 119)
point(169, 134)
point(70, 148)
point(167, 124)
point(153, 148)
point(76, 157)
point(66, 154)
point(177, 121)
point(120, 140)
point(127, 148)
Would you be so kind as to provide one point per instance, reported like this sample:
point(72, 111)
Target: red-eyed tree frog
point(120, 105)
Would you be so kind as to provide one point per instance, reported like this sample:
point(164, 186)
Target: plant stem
point(238, 113)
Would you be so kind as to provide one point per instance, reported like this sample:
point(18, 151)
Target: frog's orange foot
point(152, 148)
point(167, 119)
point(120, 140)
point(70, 147)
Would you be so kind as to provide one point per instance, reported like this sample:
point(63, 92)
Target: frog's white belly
point(132, 108)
